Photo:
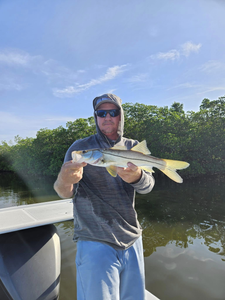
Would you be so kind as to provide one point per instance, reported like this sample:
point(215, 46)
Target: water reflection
point(174, 273)
point(182, 213)
point(16, 191)
point(68, 269)
point(184, 239)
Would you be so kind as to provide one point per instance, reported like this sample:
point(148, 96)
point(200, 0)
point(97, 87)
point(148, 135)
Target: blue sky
point(56, 56)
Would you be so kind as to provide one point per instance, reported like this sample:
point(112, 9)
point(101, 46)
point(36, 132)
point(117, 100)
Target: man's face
point(108, 125)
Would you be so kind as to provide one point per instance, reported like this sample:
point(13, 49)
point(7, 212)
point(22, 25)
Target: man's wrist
point(136, 181)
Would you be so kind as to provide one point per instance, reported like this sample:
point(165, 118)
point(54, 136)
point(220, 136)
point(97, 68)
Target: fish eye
point(84, 151)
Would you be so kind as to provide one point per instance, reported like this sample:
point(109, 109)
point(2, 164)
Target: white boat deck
point(33, 215)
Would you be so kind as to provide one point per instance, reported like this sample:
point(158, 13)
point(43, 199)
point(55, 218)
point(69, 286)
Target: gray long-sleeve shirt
point(104, 206)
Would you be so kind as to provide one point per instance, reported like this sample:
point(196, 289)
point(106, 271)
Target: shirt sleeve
point(145, 184)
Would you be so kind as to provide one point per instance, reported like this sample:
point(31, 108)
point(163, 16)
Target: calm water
point(183, 233)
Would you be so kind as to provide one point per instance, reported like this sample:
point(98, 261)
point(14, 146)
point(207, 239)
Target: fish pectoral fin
point(112, 170)
point(147, 169)
point(141, 147)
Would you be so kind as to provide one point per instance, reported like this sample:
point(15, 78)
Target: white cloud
point(110, 91)
point(49, 69)
point(67, 92)
point(186, 85)
point(9, 86)
point(212, 66)
point(138, 78)
point(170, 55)
point(13, 59)
point(17, 58)
point(189, 47)
point(212, 89)
point(110, 74)
point(185, 50)
point(81, 71)
point(113, 72)
point(56, 72)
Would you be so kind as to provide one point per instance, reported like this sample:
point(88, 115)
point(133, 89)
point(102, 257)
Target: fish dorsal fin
point(112, 170)
point(119, 147)
point(141, 147)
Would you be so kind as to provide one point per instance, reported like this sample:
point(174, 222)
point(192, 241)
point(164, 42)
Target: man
point(109, 260)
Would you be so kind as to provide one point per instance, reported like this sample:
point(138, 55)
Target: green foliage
point(164, 129)
point(5, 151)
point(208, 137)
point(196, 137)
point(22, 155)
point(44, 154)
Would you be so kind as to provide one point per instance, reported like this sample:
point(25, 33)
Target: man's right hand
point(70, 173)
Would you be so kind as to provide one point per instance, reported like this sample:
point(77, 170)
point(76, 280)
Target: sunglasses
point(112, 112)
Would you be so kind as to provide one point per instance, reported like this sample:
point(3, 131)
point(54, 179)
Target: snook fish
point(139, 155)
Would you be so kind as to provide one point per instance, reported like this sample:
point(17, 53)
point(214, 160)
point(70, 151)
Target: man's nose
point(108, 116)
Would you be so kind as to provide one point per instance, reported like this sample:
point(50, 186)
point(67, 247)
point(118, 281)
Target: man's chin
point(108, 132)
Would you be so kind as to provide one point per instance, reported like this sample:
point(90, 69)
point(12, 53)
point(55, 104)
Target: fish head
point(89, 156)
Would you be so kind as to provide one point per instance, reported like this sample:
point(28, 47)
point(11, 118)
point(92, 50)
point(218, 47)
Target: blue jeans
point(104, 273)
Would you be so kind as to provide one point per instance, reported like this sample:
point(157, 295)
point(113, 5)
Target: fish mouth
point(96, 161)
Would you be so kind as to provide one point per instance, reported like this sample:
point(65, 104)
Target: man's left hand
point(131, 174)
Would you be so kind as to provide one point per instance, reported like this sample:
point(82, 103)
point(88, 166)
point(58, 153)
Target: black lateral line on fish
point(121, 156)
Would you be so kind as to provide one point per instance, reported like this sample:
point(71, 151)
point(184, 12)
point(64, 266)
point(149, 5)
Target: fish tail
point(171, 167)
